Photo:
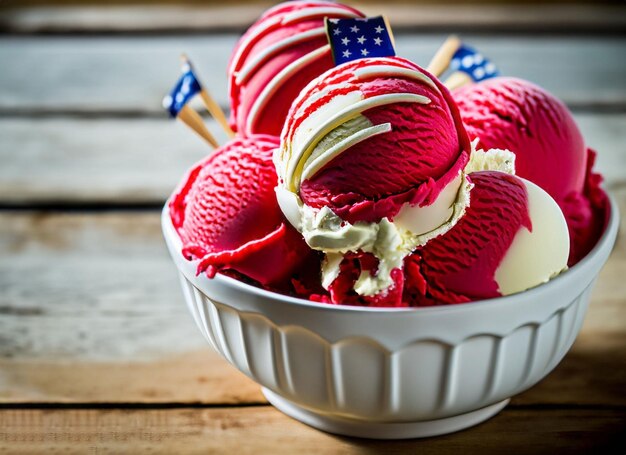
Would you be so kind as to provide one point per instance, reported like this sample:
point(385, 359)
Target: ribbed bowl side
point(357, 377)
point(388, 365)
point(193, 299)
point(289, 360)
point(436, 380)
point(360, 378)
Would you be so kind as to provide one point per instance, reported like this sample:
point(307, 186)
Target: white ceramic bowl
point(391, 372)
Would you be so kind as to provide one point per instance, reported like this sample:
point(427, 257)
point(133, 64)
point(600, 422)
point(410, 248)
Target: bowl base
point(375, 430)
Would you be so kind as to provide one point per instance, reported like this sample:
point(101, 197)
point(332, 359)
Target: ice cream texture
point(227, 217)
point(371, 160)
point(550, 151)
point(512, 237)
point(384, 189)
point(278, 55)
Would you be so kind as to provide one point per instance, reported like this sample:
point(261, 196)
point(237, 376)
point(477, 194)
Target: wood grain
point(163, 18)
point(131, 74)
point(73, 160)
point(91, 311)
point(265, 430)
point(192, 376)
point(95, 160)
point(99, 286)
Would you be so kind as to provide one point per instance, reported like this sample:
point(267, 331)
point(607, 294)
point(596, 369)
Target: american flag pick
point(471, 62)
point(351, 39)
point(185, 89)
point(177, 103)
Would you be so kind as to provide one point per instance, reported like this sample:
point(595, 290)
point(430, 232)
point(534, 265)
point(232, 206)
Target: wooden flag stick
point(390, 31)
point(216, 112)
point(457, 79)
point(443, 56)
point(214, 109)
point(192, 119)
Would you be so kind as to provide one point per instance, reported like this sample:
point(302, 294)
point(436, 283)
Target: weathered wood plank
point(113, 74)
point(77, 160)
point(403, 15)
point(192, 376)
point(98, 286)
point(265, 430)
point(70, 160)
point(91, 311)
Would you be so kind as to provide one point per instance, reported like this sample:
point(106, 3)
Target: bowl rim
point(579, 269)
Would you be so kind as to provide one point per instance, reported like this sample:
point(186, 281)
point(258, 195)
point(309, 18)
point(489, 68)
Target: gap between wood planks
point(186, 405)
point(146, 206)
point(264, 430)
point(162, 19)
point(577, 107)
point(492, 31)
point(81, 207)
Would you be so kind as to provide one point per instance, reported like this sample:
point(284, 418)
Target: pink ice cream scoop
point(372, 162)
point(370, 136)
point(512, 237)
point(278, 55)
point(514, 114)
point(226, 215)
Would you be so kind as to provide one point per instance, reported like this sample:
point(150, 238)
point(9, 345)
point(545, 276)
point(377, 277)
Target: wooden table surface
point(98, 353)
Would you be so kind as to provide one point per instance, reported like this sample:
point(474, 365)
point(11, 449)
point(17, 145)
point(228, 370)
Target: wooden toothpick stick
point(192, 119)
point(211, 105)
point(216, 112)
point(457, 79)
point(443, 56)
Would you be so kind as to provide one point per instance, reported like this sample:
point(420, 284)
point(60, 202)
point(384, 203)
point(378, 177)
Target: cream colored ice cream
point(538, 254)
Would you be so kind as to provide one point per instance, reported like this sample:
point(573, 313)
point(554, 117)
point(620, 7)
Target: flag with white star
point(468, 60)
point(185, 89)
point(351, 39)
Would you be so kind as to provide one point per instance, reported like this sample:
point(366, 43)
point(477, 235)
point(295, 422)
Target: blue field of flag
point(473, 63)
point(185, 89)
point(351, 39)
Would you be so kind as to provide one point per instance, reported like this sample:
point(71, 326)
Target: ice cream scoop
point(550, 151)
point(278, 55)
point(226, 215)
point(371, 160)
point(512, 237)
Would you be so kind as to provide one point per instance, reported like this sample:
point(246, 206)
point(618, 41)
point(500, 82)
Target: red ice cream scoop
point(226, 214)
point(514, 114)
point(278, 55)
point(370, 136)
point(371, 164)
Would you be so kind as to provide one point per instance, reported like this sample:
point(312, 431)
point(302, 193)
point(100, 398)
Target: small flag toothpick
point(352, 39)
point(211, 105)
point(216, 111)
point(441, 61)
point(185, 89)
point(469, 66)
point(472, 62)
point(177, 103)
